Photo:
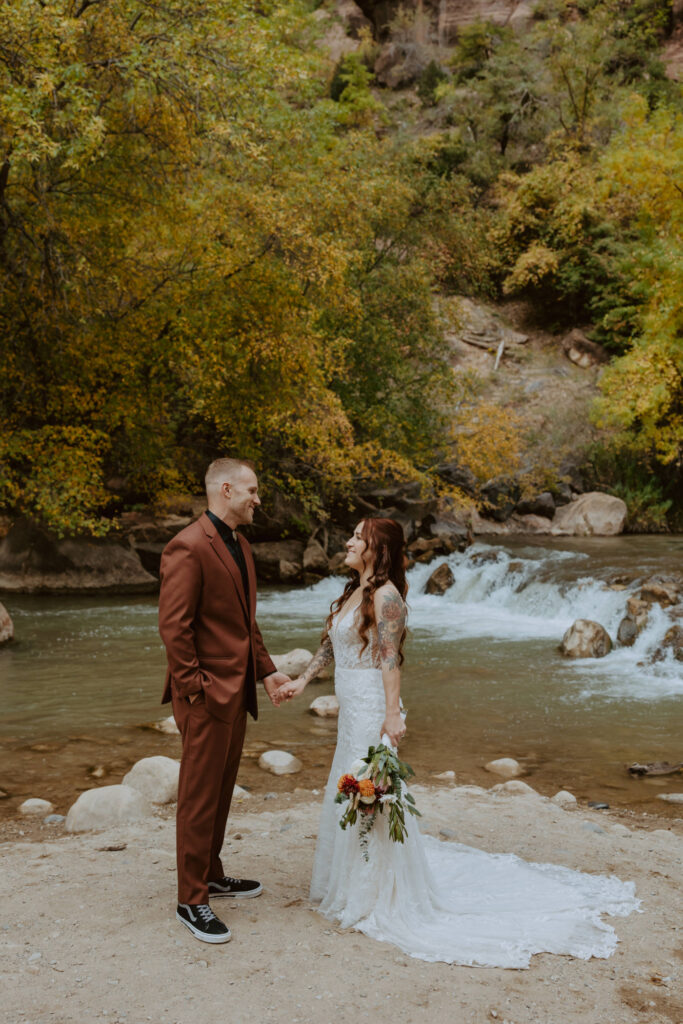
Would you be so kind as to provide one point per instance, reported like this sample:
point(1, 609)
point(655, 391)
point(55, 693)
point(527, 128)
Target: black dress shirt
point(233, 545)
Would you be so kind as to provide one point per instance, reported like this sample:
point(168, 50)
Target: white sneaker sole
point(236, 895)
point(202, 936)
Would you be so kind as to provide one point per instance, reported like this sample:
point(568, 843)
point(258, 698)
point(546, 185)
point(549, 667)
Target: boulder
point(515, 787)
point(673, 641)
point(505, 766)
point(586, 639)
point(315, 560)
point(500, 495)
point(156, 778)
point(32, 561)
point(660, 591)
point(458, 476)
point(441, 580)
point(325, 707)
point(542, 505)
point(592, 515)
point(279, 561)
point(627, 632)
point(454, 536)
point(107, 806)
point(36, 808)
point(6, 626)
point(279, 762)
point(565, 799)
point(293, 662)
point(582, 351)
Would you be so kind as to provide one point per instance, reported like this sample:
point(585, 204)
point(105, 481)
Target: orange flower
point(366, 788)
point(347, 784)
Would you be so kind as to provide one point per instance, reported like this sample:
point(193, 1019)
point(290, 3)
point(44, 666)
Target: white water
point(531, 595)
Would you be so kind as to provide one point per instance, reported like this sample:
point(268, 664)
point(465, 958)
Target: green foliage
point(636, 477)
point(428, 82)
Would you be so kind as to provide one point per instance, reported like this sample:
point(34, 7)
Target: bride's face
point(357, 553)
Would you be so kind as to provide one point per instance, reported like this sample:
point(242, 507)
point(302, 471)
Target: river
point(483, 676)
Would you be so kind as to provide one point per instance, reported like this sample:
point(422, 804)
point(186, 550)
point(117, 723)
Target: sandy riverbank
point(88, 932)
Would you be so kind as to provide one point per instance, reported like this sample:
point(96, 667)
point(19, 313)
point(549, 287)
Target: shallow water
point(483, 676)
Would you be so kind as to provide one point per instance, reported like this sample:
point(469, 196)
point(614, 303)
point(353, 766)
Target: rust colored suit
point(215, 649)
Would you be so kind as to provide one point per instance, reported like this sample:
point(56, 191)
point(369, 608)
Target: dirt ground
point(88, 931)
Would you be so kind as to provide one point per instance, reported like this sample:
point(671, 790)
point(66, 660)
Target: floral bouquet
point(373, 785)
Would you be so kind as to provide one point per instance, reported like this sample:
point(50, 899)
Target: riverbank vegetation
point(212, 239)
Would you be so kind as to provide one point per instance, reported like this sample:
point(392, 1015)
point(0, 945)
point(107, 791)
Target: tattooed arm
point(322, 657)
point(390, 613)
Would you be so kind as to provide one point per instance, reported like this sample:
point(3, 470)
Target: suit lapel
point(218, 545)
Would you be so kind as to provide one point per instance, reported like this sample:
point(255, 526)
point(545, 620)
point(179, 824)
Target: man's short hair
point(221, 470)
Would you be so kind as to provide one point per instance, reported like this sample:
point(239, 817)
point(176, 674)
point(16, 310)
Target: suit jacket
point(211, 637)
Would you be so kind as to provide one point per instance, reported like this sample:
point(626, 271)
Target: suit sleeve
point(263, 661)
point(181, 583)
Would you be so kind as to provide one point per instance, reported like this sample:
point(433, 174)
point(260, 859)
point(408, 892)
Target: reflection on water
point(483, 676)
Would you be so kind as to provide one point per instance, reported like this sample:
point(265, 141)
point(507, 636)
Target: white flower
point(367, 799)
point(388, 798)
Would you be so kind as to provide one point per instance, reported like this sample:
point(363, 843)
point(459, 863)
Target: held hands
point(292, 688)
point(394, 726)
point(273, 685)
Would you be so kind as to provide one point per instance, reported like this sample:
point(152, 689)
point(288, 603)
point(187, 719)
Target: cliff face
point(446, 17)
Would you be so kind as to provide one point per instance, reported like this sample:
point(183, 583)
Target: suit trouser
point(208, 769)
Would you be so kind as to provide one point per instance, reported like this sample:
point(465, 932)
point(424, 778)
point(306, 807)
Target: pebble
point(35, 807)
point(448, 776)
point(54, 819)
point(239, 793)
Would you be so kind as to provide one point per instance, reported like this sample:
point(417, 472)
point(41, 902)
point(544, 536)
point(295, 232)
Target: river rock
point(325, 707)
point(107, 806)
point(515, 787)
point(36, 808)
point(6, 626)
point(156, 778)
point(447, 776)
point(565, 799)
point(627, 631)
point(673, 641)
point(279, 561)
point(671, 798)
point(454, 535)
point(167, 726)
point(32, 561)
point(592, 515)
point(441, 580)
point(662, 592)
point(315, 559)
point(505, 766)
point(293, 662)
point(239, 794)
point(542, 505)
point(586, 639)
point(279, 762)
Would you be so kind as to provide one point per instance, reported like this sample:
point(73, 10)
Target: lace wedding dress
point(437, 900)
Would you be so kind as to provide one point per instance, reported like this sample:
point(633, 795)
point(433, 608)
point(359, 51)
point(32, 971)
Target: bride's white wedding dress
point(437, 900)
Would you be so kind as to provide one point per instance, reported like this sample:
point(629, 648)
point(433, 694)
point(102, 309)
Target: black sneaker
point(238, 888)
point(202, 922)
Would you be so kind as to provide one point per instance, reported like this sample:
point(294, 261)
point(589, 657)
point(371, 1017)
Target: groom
point(215, 655)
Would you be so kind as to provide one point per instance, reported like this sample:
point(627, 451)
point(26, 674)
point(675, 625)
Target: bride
point(434, 900)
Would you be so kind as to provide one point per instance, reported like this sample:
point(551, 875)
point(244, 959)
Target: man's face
point(241, 494)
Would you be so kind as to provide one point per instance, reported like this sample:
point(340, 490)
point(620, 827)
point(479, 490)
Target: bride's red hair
point(386, 549)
